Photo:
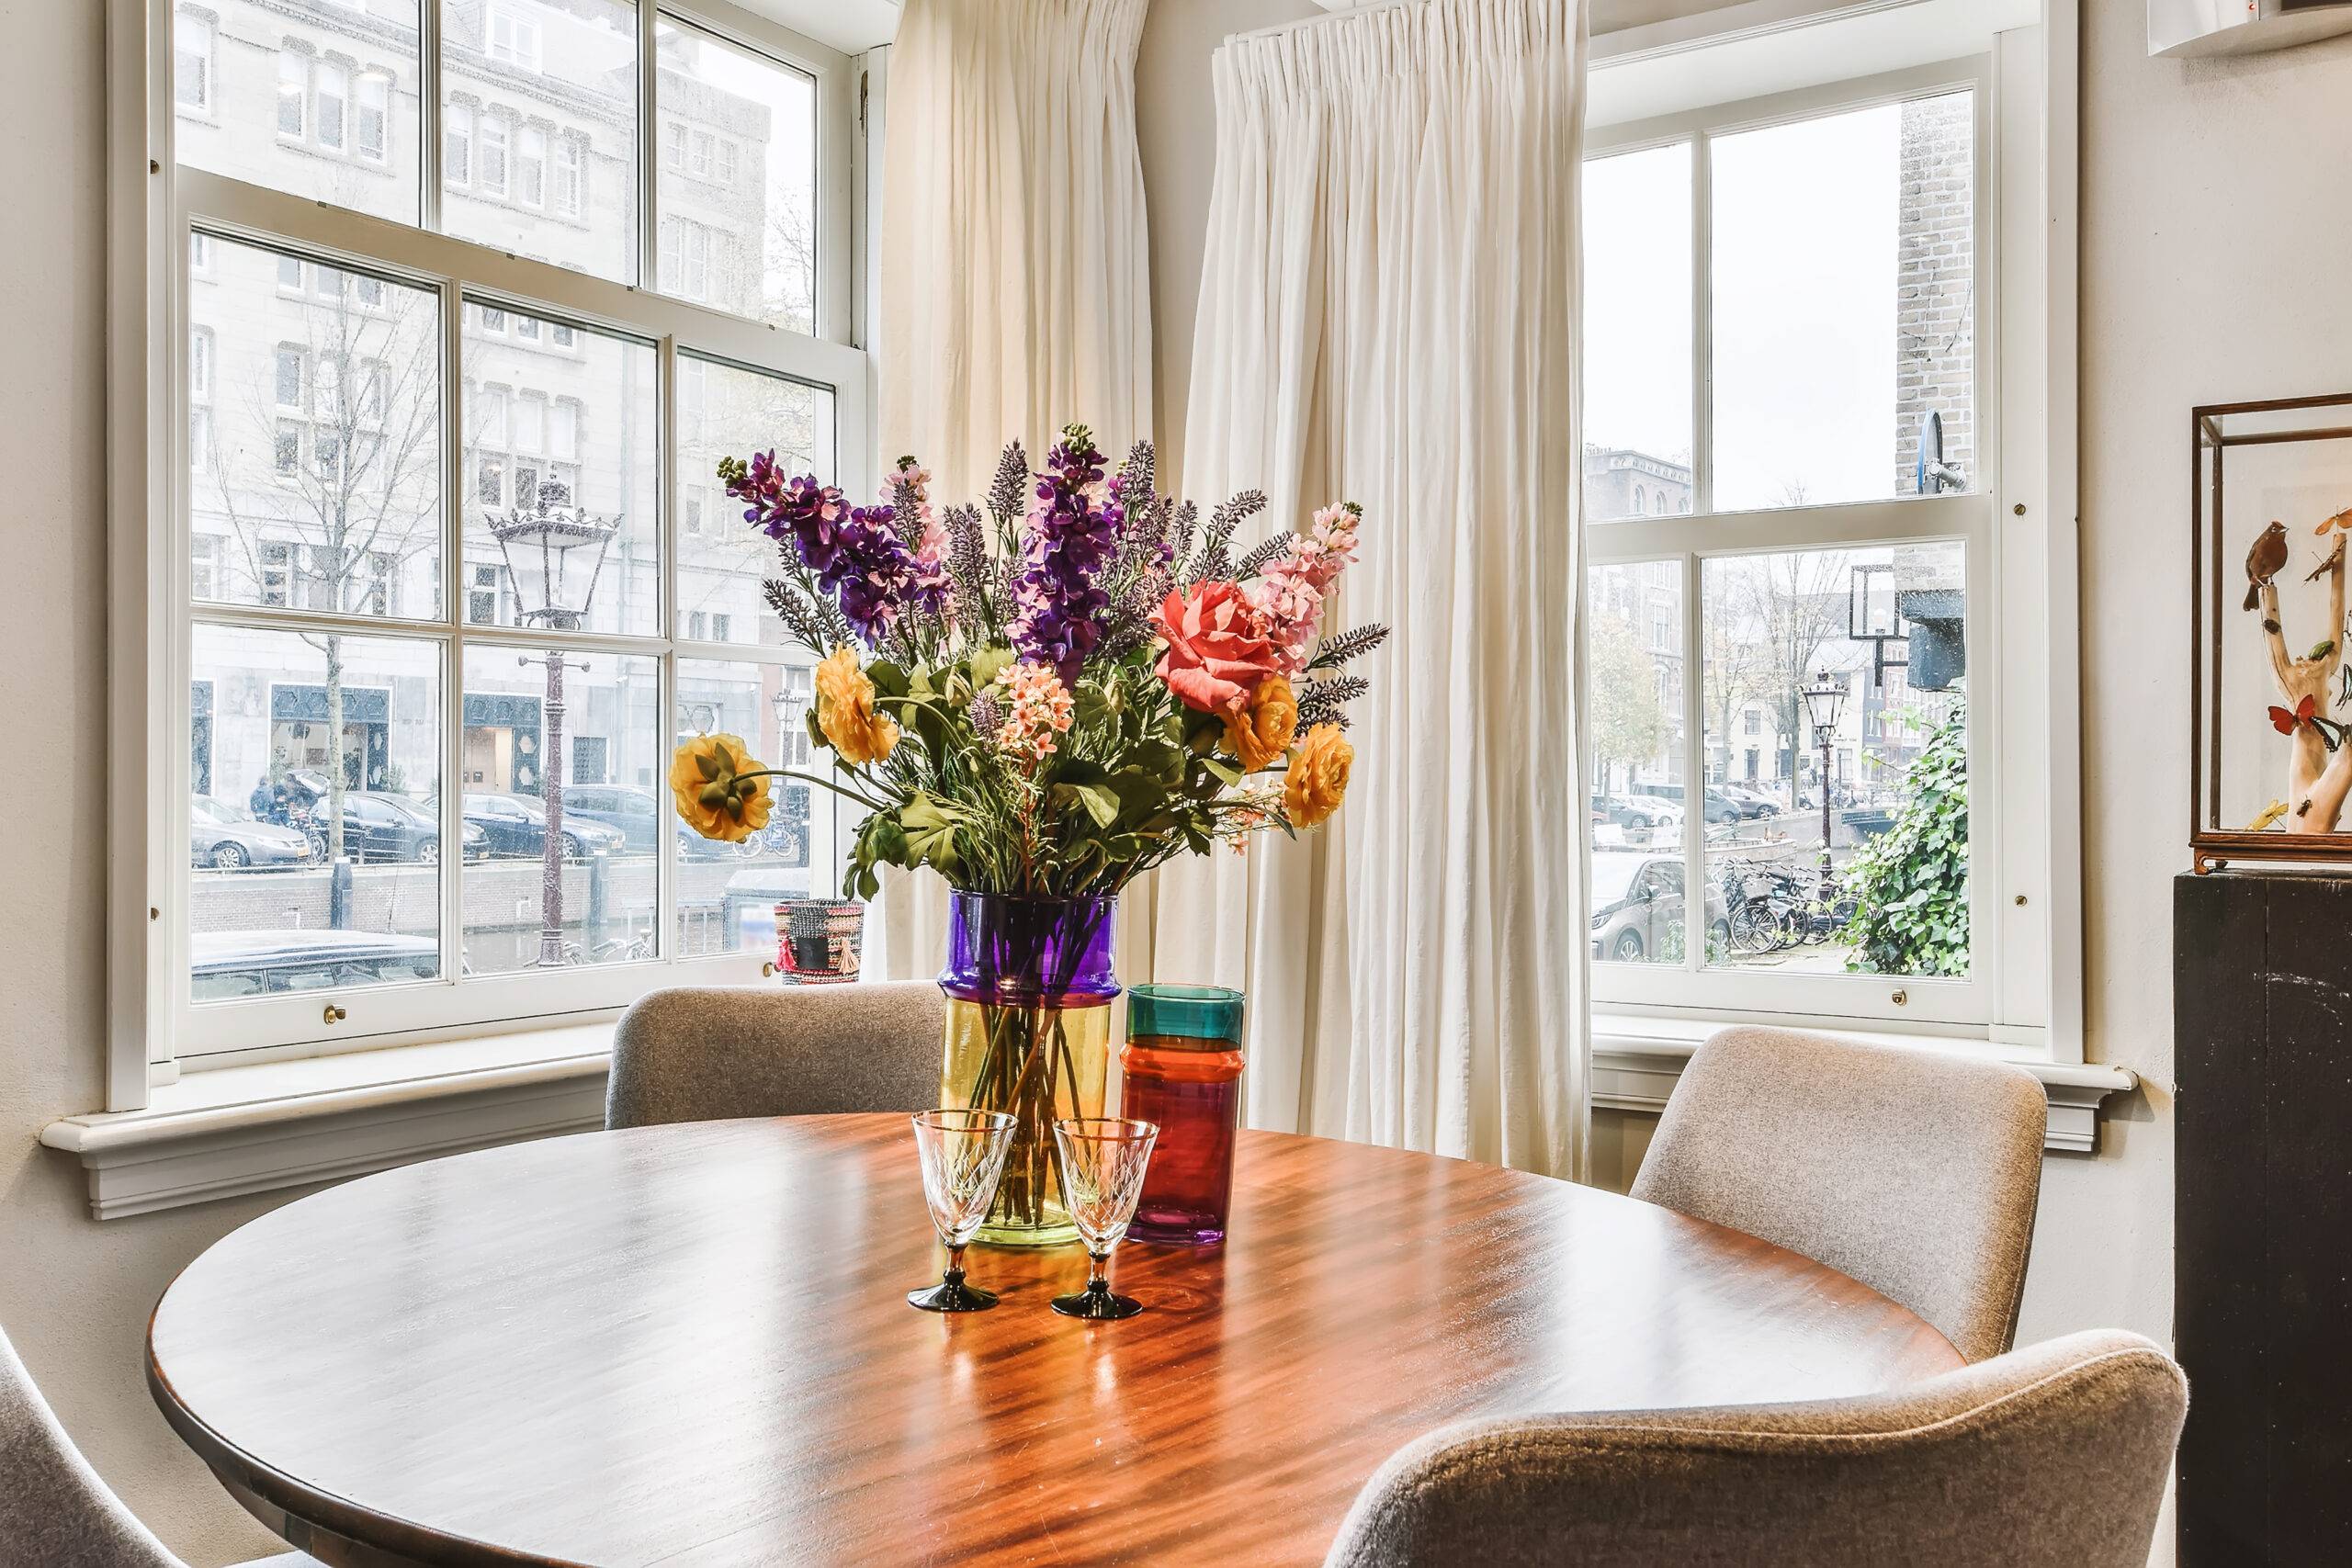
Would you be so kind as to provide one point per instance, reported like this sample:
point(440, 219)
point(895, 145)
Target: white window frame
point(2019, 994)
point(153, 1029)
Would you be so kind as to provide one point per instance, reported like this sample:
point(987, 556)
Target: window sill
point(277, 1124)
point(252, 1129)
point(1636, 1060)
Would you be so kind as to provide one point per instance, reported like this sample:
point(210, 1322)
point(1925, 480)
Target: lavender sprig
point(1338, 650)
point(1323, 701)
point(1009, 492)
point(1214, 560)
point(1263, 555)
point(1186, 524)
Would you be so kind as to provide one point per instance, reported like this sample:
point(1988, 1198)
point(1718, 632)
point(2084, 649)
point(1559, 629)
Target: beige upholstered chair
point(54, 1511)
point(707, 1054)
point(2056, 1455)
point(1913, 1171)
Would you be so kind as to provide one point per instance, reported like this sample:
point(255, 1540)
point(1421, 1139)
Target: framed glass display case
point(2270, 691)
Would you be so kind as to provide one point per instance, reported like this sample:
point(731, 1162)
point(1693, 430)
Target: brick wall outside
point(1935, 337)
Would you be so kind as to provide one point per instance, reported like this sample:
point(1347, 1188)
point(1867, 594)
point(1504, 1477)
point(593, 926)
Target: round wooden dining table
point(690, 1346)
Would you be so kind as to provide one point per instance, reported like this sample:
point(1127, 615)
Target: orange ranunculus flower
point(1265, 731)
point(1318, 776)
point(713, 795)
point(845, 711)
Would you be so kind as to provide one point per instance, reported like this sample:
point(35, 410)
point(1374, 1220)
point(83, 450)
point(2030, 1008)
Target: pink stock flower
point(1038, 708)
point(1288, 593)
point(1215, 648)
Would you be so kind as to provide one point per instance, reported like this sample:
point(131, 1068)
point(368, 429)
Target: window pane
point(727, 893)
point(743, 195)
point(266, 94)
point(1844, 306)
point(516, 74)
point(607, 573)
point(540, 729)
point(323, 475)
point(1634, 676)
point(1894, 759)
point(301, 745)
point(1638, 334)
point(722, 560)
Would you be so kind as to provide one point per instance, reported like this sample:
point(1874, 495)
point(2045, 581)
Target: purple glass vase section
point(1008, 951)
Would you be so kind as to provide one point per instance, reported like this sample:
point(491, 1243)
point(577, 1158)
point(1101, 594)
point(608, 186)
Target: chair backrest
point(1915, 1171)
point(2057, 1455)
point(54, 1511)
point(711, 1054)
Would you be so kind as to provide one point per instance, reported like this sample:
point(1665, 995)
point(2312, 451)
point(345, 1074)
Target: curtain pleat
point(1015, 287)
point(1386, 315)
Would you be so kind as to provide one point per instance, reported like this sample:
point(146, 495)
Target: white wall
point(2215, 216)
point(74, 1294)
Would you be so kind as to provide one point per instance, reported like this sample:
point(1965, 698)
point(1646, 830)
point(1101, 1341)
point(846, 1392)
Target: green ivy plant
point(1910, 884)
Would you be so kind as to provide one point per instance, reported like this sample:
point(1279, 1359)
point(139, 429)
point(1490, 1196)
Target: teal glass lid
point(1192, 1012)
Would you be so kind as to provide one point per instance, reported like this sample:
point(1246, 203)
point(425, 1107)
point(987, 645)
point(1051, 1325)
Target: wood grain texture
point(688, 1345)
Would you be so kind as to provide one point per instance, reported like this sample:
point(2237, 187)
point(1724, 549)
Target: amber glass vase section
point(1029, 989)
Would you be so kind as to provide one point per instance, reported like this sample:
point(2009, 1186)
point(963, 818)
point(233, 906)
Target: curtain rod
point(1292, 27)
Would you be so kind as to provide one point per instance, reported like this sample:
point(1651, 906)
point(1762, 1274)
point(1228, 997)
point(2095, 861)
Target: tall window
point(192, 42)
point(431, 524)
point(1783, 395)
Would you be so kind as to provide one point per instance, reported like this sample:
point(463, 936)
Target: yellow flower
point(1265, 731)
point(1318, 776)
point(715, 799)
point(845, 711)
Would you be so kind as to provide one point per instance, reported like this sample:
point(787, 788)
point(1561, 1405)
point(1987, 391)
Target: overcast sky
point(1805, 231)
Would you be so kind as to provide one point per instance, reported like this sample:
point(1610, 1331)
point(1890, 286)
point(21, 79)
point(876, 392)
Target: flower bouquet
point(1042, 699)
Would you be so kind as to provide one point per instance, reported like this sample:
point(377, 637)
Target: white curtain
point(1016, 290)
point(1387, 315)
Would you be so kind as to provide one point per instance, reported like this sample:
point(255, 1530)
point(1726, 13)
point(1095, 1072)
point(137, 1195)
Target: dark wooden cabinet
point(2262, 1024)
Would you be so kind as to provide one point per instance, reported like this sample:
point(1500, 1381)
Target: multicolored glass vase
point(1029, 990)
point(1181, 1068)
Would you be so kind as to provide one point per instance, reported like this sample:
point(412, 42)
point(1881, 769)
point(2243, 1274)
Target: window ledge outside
point(1637, 1060)
point(273, 1124)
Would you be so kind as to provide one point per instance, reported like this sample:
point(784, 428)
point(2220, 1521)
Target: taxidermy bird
point(2263, 561)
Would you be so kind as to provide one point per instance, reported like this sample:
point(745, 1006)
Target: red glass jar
point(1181, 1068)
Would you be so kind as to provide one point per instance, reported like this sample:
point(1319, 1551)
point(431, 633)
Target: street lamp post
point(545, 535)
point(1822, 699)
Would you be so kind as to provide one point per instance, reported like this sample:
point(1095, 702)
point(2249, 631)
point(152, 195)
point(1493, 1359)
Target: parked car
point(1641, 811)
point(227, 839)
point(227, 964)
point(1751, 801)
point(1721, 807)
point(379, 826)
point(1637, 907)
point(517, 824)
point(638, 817)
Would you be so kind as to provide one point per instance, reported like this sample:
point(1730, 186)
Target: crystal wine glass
point(963, 1154)
point(1103, 1162)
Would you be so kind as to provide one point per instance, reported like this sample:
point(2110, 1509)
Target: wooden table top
point(690, 1346)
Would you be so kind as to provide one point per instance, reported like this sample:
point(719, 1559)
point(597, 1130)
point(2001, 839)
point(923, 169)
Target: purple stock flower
point(1065, 543)
point(855, 552)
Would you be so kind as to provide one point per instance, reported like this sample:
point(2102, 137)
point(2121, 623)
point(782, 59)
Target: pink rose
point(1217, 651)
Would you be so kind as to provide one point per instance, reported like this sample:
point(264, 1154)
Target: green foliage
point(1910, 885)
point(1628, 724)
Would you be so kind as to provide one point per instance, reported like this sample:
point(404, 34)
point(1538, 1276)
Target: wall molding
point(286, 1125)
point(1635, 1066)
